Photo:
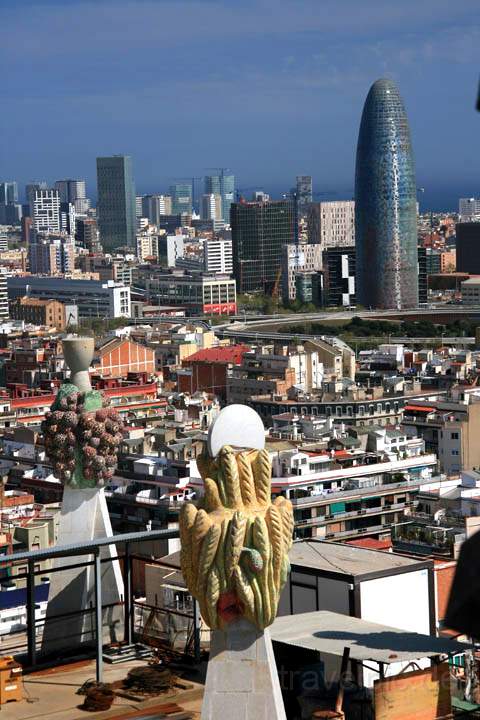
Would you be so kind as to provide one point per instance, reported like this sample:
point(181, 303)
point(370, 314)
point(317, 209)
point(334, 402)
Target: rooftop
point(349, 561)
point(221, 355)
point(329, 632)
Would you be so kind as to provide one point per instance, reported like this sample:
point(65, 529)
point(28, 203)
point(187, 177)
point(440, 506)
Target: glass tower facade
point(260, 230)
point(385, 203)
point(182, 198)
point(223, 185)
point(116, 202)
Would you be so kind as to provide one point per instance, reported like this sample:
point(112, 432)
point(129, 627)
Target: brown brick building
point(119, 356)
point(51, 313)
point(207, 370)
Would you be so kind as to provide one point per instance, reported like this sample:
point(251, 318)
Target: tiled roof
point(231, 354)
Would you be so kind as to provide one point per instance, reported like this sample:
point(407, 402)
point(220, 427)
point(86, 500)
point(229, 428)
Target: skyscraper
point(223, 185)
point(182, 198)
point(385, 203)
point(260, 230)
point(45, 210)
point(304, 193)
point(116, 202)
point(74, 191)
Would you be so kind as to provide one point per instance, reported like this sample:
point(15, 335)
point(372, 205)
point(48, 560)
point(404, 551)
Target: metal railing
point(25, 644)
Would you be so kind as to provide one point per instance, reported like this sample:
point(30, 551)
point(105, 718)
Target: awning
point(330, 633)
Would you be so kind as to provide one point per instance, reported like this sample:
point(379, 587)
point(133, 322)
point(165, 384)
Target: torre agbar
point(385, 203)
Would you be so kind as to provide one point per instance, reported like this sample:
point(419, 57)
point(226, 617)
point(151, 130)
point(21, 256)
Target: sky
point(268, 88)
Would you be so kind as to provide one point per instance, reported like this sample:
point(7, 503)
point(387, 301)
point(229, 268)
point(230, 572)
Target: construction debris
point(150, 680)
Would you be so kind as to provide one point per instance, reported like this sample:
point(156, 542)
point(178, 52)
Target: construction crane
point(276, 286)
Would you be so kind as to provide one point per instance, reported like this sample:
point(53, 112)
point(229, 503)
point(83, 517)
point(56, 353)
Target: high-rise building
point(51, 254)
point(10, 210)
point(260, 230)
point(30, 191)
point(182, 198)
point(468, 247)
point(74, 192)
point(87, 235)
point(116, 202)
point(469, 209)
point(8, 192)
point(223, 185)
point(217, 256)
point(304, 193)
point(45, 210)
point(385, 203)
point(153, 206)
point(298, 258)
point(422, 275)
point(339, 276)
point(211, 207)
point(332, 224)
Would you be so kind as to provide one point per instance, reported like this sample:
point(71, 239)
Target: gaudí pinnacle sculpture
point(385, 203)
point(82, 434)
point(235, 542)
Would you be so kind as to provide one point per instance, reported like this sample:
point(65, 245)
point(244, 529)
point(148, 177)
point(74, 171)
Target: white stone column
point(84, 517)
point(242, 680)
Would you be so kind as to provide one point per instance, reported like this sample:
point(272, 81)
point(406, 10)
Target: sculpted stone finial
point(235, 542)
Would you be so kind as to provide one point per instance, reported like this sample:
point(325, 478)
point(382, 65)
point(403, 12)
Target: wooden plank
point(420, 695)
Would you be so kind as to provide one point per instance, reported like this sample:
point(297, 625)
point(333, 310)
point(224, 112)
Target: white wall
point(401, 601)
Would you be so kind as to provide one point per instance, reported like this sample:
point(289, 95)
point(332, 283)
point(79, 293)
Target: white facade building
point(471, 291)
point(305, 257)
point(332, 224)
point(45, 209)
point(469, 209)
point(211, 208)
point(93, 297)
point(217, 256)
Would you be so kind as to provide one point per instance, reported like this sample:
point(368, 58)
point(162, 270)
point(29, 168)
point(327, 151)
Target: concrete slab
point(52, 694)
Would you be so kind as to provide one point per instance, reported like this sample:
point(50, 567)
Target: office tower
point(30, 191)
point(27, 229)
point(211, 207)
point(223, 185)
point(217, 256)
point(67, 218)
point(332, 224)
point(260, 230)
point(74, 191)
point(468, 247)
point(45, 209)
point(339, 276)
point(116, 202)
point(10, 210)
point(422, 275)
point(8, 193)
point(468, 209)
point(139, 206)
point(153, 206)
point(298, 258)
point(87, 235)
point(303, 193)
point(385, 203)
point(181, 198)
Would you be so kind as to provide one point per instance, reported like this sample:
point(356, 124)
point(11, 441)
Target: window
point(454, 452)
point(454, 436)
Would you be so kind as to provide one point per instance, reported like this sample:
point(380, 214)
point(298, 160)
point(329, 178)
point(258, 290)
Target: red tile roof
point(371, 543)
point(232, 354)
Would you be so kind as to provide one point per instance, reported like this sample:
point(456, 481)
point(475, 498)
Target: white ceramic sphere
point(236, 425)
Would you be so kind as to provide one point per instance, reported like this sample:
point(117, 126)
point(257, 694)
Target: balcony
point(326, 519)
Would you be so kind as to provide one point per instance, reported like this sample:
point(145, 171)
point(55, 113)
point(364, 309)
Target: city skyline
point(291, 107)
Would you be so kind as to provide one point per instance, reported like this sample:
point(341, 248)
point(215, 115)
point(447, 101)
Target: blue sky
point(269, 88)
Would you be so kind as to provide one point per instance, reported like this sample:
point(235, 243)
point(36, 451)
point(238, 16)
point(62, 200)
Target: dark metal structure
point(85, 554)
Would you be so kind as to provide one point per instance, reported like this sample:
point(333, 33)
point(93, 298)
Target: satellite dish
point(236, 425)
